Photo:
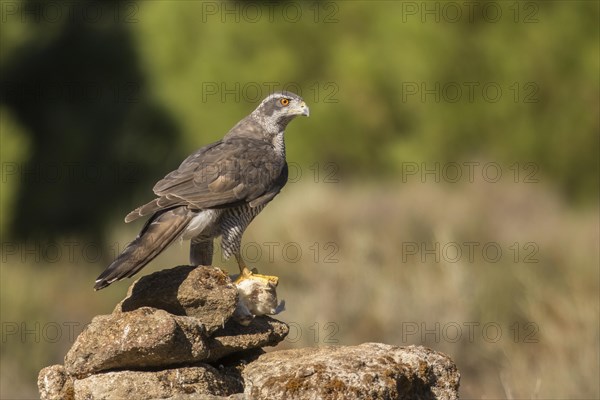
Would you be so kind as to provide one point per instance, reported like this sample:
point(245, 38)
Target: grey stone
point(368, 371)
point(233, 337)
point(146, 337)
point(199, 381)
point(55, 384)
point(160, 339)
point(205, 293)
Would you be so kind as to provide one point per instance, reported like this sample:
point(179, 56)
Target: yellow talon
point(246, 273)
point(254, 275)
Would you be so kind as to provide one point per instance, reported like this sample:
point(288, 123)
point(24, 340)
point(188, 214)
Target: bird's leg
point(201, 251)
point(247, 273)
point(244, 270)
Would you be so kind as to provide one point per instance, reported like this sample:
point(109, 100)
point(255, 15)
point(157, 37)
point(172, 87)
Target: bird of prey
point(216, 191)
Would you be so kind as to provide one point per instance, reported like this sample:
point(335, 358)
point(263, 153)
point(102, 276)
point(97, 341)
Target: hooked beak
point(303, 109)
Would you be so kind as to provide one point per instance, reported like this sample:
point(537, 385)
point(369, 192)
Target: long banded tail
point(158, 233)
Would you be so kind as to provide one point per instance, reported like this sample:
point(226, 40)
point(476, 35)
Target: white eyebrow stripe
point(272, 96)
point(278, 95)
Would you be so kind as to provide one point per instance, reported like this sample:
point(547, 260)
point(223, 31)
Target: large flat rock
point(143, 338)
point(368, 371)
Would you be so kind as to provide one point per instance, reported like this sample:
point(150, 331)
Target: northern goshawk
point(216, 191)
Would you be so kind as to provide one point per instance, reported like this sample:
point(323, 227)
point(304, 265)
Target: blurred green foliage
point(387, 82)
point(375, 53)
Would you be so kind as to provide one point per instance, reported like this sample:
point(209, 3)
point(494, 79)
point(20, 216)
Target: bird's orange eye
point(284, 102)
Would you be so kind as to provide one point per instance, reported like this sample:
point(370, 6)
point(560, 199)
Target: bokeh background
point(444, 190)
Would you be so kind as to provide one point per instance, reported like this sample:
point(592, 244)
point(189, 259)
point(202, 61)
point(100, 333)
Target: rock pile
point(177, 335)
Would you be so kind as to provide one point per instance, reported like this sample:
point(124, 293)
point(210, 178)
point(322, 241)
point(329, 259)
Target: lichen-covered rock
point(233, 337)
point(205, 293)
point(55, 384)
point(368, 371)
point(146, 337)
point(159, 341)
point(180, 383)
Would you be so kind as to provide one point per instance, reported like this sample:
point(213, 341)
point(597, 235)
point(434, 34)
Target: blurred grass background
point(101, 99)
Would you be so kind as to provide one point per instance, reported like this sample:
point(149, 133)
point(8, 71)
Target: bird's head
point(278, 109)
